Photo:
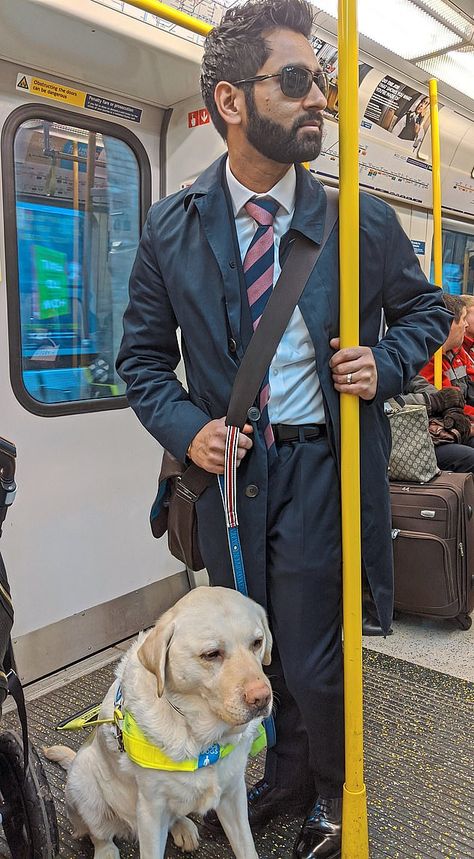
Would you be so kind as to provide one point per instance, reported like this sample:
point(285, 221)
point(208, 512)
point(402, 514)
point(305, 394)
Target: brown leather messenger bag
point(181, 484)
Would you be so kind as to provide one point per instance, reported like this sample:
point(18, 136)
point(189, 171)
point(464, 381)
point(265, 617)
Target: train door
point(76, 183)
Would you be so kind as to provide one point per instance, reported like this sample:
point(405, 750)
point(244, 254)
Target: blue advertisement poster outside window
point(78, 225)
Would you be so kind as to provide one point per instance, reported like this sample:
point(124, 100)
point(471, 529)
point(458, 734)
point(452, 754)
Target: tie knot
point(263, 210)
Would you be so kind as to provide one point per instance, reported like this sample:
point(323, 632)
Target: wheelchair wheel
point(27, 809)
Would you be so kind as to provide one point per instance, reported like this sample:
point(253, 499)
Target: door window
point(78, 207)
point(458, 262)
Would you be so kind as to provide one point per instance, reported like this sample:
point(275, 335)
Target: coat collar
point(310, 208)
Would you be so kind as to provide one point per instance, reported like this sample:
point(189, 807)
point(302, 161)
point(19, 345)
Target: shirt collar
point(284, 192)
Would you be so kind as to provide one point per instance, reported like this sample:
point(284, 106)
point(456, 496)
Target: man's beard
point(276, 142)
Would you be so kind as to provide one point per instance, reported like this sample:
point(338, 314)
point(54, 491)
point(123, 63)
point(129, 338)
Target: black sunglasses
point(295, 81)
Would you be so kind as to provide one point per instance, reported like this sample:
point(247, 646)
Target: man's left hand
point(354, 370)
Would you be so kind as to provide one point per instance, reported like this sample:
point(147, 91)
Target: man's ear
point(153, 653)
point(267, 656)
point(230, 102)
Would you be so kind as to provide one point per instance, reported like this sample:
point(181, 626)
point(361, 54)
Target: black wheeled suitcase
point(433, 546)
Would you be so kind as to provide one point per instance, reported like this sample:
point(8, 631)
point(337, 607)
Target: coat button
point(251, 490)
point(232, 263)
point(253, 413)
point(232, 345)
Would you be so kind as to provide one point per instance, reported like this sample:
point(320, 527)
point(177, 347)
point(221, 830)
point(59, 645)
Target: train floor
point(418, 748)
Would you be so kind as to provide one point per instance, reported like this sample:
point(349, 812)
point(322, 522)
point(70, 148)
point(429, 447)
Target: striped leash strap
point(228, 489)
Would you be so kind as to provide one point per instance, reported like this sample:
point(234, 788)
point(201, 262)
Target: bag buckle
point(184, 492)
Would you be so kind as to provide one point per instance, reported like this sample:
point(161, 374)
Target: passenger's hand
point(207, 448)
point(457, 419)
point(354, 370)
point(446, 398)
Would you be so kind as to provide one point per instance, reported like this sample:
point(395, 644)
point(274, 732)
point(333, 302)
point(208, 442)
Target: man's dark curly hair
point(236, 48)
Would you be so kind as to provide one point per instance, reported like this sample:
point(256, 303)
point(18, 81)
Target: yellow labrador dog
point(194, 681)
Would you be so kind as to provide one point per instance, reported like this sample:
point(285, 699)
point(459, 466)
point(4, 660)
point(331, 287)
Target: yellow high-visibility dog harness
point(142, 751)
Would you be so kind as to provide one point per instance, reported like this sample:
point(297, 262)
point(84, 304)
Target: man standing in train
point(197, 268)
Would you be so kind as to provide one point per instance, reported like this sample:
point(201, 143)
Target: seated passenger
point(455, 359)
point(448, 404)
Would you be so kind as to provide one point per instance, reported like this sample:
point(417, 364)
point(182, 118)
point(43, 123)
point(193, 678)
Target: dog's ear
point(154, 651)
point(267, 656)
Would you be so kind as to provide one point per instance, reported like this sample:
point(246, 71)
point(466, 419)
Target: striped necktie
point(258, 271)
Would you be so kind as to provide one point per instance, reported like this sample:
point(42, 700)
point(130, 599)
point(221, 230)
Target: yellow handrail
point(437, 232)
point(355, 843)
point(162, 10)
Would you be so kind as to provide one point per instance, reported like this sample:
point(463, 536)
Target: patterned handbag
point(413, 455)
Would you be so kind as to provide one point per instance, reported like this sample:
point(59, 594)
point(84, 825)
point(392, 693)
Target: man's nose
point(315, 98)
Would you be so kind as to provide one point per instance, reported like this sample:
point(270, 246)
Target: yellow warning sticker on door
point(79, 98)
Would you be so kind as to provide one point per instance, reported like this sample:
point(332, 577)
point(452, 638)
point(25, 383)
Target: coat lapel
point(210, 201)
point(319, 301)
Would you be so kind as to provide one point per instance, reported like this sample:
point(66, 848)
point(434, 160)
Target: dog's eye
point(212, 655)
point(256, 645)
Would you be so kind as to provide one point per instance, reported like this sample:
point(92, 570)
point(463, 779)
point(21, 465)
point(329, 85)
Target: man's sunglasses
point(295, 81)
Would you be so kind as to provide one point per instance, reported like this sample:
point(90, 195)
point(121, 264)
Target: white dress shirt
point(295, 391)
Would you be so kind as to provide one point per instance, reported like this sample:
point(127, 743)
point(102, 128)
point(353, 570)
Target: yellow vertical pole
point(437, 232)
point(355, 839)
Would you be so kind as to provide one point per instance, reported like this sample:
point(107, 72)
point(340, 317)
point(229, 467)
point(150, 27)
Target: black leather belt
point(286, 432)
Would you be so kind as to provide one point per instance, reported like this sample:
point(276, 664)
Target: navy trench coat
point(187, 274)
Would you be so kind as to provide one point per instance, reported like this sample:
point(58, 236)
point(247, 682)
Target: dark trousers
point(304, 601)
point(456, 457)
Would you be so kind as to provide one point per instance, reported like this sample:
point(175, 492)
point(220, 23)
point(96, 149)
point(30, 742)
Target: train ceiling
point(418, 39)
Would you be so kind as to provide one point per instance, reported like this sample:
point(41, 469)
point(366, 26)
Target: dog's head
point(213, 644)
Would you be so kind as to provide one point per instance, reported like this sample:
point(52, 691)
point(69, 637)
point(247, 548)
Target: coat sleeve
point(416, 317)
point(149, 354)
point(417, 393)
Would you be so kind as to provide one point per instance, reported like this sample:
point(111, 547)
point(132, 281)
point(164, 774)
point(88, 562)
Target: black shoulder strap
point(298, 266)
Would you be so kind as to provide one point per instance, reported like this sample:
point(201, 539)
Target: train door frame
point(111, 593)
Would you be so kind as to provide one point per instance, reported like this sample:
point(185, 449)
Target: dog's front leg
point(152, 823)
point(233, 815)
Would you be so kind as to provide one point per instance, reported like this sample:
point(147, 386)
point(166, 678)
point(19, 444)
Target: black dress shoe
point(371, 624)
point(265, 802)
point(320, 836)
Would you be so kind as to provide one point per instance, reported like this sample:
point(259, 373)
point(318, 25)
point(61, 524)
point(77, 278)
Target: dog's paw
point(185, 834)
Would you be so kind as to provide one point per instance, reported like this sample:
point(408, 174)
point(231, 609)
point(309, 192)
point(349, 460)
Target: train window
point(78, 205)
point(458, 261)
